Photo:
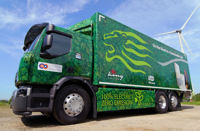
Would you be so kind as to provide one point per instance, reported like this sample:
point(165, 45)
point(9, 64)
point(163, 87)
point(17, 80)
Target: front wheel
point(72, 105)
point(161, 102)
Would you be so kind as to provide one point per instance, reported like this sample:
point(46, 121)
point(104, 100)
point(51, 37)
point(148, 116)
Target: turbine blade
point(171, 32)
point(180, 42)
point(190, 17)
point(184, 41)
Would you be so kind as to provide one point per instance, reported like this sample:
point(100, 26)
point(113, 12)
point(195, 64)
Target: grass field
point(3, 103)
point(192, 103)
point(195, 100)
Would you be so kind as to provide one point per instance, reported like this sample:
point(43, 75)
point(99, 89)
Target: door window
point(61, 45)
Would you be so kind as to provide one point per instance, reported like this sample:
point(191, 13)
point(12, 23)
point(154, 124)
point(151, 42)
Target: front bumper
point(26, 100)
point(19, 101)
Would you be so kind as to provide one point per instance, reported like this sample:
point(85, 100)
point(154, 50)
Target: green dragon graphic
point(119, 51)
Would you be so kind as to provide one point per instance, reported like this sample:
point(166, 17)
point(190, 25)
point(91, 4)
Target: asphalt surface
point(186, 119)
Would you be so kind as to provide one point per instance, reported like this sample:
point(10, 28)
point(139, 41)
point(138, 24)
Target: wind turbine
point(179, 31)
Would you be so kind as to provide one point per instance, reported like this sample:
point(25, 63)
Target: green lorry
point(94, 66)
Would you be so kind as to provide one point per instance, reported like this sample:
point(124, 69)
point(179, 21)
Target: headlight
point(24, 91)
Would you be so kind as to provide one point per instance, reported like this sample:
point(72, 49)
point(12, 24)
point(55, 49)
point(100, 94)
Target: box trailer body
point(119, 68)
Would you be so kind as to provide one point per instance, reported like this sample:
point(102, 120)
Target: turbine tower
point(179, 31)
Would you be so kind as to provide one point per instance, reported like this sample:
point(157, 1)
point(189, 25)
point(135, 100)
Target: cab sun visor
point(33, 32)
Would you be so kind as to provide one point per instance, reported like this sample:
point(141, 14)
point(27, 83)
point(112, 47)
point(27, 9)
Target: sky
point(150, 17)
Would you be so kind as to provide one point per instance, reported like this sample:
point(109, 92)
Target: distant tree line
point(196, 97)
point(4, 101)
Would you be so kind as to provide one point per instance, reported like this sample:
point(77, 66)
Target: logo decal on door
point(49, 67)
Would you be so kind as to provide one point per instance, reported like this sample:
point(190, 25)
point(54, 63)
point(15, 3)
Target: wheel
point(72, 105)
point(174, 101)
point(161, 102)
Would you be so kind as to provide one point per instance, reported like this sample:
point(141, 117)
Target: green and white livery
point(97, 65)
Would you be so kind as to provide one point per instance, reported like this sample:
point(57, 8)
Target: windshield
point(32, 46)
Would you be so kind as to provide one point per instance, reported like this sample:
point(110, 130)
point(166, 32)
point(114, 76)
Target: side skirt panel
point(112, 99)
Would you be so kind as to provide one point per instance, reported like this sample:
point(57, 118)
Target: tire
point(174, 101)
point(72, 105)
point(161, 102)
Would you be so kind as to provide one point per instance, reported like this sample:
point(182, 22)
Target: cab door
point(69, 55)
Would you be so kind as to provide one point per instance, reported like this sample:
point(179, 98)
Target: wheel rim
point(162, 102)
point(174, 101)
point(73, 104)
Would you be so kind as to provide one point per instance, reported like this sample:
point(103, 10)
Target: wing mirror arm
point(46, 45)
point(47, 42)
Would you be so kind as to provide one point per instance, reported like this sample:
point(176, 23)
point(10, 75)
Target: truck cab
point(53, 56)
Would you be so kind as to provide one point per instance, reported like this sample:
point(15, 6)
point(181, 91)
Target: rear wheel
point(161, 102)
point(174, 101)
point(72, 105)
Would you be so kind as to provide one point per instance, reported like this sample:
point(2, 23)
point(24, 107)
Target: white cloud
point(169, 39)
point(153, 16)
point(13, 49)
point(32, 12)
point(36, 11)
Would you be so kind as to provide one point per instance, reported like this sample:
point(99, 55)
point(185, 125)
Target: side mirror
point(47, 42)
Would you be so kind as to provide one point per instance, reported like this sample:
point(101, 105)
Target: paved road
point(187, 119)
